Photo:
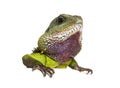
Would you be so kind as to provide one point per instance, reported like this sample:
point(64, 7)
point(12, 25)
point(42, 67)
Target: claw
point(50, 71)
point(84, 69)
point(89, 71)
point(44, 70)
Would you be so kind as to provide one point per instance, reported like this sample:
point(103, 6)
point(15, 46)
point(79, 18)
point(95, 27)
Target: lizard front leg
point(44, 70)
point(75, 66)
point(35, 61)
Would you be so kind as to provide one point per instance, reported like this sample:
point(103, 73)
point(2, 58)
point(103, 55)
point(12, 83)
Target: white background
point(23, 21)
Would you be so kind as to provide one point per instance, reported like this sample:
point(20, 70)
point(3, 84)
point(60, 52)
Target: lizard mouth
point(68, 32)
point(74, 29)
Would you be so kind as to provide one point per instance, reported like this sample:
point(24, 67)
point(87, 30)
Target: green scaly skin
point(59, 30)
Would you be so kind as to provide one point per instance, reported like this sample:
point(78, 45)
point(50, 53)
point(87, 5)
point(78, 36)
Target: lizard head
point(65, 23)
point(60, 29)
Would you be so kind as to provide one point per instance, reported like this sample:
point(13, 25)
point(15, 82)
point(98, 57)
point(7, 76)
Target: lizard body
point(60, 43)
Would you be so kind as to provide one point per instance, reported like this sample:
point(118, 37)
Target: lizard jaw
point(67, 33)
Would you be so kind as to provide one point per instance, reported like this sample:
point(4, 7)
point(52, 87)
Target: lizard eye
point(60, 20)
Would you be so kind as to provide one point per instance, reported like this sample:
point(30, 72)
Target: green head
point(61, 28)
point(63, 22)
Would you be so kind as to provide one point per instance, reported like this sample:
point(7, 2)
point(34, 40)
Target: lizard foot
point(83, 69)
point(44, 70)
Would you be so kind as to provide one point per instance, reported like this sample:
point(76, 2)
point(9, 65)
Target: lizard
point(58, 46)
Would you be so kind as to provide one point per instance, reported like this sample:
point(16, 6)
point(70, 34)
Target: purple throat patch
point(63, 51)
